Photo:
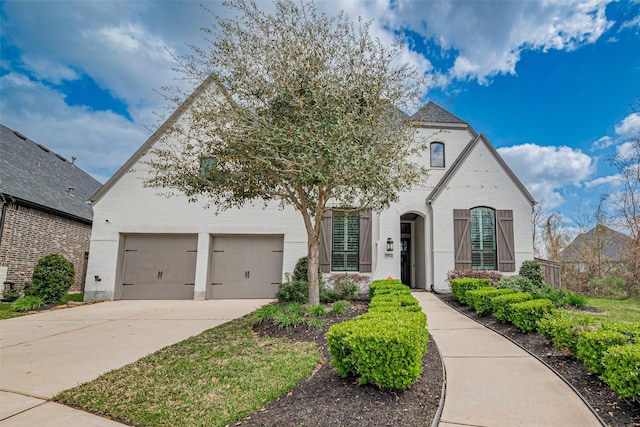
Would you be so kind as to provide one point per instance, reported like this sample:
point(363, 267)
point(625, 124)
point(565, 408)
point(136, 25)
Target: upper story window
point(483, 239)
point(437, 154)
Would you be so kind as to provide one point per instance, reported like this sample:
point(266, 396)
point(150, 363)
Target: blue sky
point(552, 84)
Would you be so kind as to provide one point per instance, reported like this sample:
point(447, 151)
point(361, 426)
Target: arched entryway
point(412, 250)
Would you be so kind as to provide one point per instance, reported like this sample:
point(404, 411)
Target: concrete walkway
point(46, 353)
point(492, 382)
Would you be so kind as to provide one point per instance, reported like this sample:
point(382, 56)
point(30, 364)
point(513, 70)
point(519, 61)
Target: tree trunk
point(313, 277)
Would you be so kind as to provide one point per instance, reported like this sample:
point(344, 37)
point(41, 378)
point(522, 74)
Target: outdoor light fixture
point(389, 245)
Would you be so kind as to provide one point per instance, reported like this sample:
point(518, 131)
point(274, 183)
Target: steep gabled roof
point(153, 138)
point(480, 139)
point(33, 175)
point(611, 244)
point(433, 113)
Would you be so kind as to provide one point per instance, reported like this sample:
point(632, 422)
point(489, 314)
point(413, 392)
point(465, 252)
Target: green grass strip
point(213, 379)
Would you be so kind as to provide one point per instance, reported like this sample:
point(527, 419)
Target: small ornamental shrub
point(384, 346)
point(329, 295)
point(387, 286)
point(562, 328)
point(350, 284)
point(622, 370)
point(480, 299)
point(631, 330)
point(27, 303)
point(517, 283)
point(532, 270)
point(492, 275)
point(52, 278)
point(525, 315)
point(293, 291)
point(593, 344)
point(459, 287)
point(340, 307)
point(286, 320)
point(575, 300)
point(384, 349)
point(501, 305)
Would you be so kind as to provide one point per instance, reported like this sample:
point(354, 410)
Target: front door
point(405, 253)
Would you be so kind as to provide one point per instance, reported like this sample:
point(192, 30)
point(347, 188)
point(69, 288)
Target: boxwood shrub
point(562, 328)
point(593, 344)
point(384, 346)
point(501, 305)
point(459, 287)
point(525, 315)
point(622, 370)
point(480, 299)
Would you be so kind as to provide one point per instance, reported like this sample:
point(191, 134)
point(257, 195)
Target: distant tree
point(555, 238)
point(299, 108)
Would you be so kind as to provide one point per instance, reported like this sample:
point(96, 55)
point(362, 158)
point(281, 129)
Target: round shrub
point(517, 283)
point(52, 278)
point(293, 291)
point(533, 271)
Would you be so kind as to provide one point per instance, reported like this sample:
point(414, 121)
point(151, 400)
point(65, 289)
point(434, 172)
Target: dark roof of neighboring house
point(612, 243)
point(433, 113)
point(33, 175)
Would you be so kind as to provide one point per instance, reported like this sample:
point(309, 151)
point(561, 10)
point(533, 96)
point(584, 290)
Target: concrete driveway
point(45, 353)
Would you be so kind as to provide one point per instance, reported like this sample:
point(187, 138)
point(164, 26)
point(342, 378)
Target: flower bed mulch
point(326, 399)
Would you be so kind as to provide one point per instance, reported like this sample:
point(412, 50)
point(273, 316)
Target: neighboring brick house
point(44, 209)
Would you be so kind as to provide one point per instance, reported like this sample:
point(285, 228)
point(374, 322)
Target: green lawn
point(213, 379)
point(627, 310)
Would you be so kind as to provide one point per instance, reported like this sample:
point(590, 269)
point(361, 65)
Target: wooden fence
point(551, 271)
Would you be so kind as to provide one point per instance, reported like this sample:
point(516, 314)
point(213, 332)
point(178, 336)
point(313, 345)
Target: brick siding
point(29, 234)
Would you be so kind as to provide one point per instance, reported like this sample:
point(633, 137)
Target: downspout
point(2, 217)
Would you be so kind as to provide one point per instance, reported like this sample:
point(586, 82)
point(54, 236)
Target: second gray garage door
point(159, 266)
point(245, 266)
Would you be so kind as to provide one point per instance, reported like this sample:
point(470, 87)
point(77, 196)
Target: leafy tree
point(296, 108)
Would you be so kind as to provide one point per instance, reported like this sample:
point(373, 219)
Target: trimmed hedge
point(480, 299)
point(459, 287)
point(593, 344)
point(631, 330)
point(622, 370)
point(562, 328)
point(525, 315)
point(384, 346)
point(501, 305)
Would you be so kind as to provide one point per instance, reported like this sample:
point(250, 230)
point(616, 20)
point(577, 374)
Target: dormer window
point(437, 154)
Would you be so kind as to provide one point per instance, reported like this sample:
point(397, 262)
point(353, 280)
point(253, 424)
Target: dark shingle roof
point(611, 242)
point(433, 113)
point(32, 174)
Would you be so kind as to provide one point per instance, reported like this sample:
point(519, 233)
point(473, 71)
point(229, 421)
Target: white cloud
point(631, 24)
point(45, 69)
point(629, 127)
point(41, 114)
point(613, 180)
point(545, 171)
point(602, 143)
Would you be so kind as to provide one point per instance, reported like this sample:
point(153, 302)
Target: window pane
point(437, 155)
point(346, 241)
point(483, 239)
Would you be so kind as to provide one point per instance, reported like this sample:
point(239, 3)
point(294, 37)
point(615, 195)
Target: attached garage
point(159, 266)
point(244, 266)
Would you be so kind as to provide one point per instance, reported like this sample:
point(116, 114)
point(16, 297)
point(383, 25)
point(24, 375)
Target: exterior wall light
point(389, 245)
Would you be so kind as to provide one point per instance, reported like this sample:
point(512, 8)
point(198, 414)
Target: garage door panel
point(246, 266)
point(159, 266)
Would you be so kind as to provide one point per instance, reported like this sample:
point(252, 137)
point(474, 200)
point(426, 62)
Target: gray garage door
point(159, 266)
point(245, 266)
